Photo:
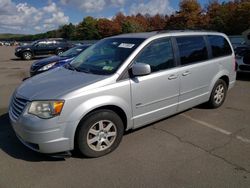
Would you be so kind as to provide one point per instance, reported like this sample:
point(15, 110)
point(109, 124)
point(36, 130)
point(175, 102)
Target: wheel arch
point(79, 113)
point(119, 111)
point(224, 75)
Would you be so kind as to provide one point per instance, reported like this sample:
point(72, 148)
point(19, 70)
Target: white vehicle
point(121, 83)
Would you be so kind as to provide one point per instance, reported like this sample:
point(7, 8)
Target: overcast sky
point(36, 16)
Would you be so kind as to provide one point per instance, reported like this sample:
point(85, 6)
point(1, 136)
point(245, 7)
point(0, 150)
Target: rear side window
point(219, 45)
point(192, 49)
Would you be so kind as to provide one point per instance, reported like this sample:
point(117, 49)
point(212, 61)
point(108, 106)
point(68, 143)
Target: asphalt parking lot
point(197, 148)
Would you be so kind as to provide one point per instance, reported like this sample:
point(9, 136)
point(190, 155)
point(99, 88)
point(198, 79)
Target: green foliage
point(9, 35)
point(231, 17)
point(87, 29)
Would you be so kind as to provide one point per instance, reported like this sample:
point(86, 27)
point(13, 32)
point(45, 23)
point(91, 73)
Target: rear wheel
point(27, 55)
point(100, 133)
point(218, 94)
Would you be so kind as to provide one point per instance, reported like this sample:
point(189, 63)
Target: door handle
point(186, 73)
point(172, 77)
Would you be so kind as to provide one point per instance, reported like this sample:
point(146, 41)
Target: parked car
point(42, 47)
point(56, 61)
point(237, 41)
point(120, 83)
point(243, 61)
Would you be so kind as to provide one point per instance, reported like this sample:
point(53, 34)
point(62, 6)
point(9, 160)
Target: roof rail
point(184, 30)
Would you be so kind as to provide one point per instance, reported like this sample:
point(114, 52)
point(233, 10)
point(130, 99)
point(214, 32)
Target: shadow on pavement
point(243, 76)
point(10, 144)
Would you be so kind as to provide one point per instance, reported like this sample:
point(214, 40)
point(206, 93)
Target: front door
point(155, 96)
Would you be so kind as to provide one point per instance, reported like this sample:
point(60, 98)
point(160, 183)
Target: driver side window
point(158, 54)
point(41, 44)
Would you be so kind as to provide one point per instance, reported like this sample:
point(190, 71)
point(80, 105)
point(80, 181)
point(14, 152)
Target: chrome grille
point(17, 106)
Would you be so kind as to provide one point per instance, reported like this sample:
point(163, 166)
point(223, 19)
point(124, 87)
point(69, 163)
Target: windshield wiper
point(85, 70)
point(70, 67)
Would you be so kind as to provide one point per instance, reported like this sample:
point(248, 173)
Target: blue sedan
point(56, 61)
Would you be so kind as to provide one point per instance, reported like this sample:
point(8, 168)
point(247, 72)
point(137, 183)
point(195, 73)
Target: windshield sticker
point(108, 68)
point(126, 45)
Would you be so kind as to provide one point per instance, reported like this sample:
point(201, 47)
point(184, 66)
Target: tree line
point(232, 18)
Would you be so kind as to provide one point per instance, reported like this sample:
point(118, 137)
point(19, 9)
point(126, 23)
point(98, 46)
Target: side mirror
point(141, 69)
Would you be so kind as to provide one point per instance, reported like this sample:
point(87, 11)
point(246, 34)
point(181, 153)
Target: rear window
point(220, 46)
point(192, 49)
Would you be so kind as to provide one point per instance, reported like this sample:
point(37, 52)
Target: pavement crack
point(210, 152)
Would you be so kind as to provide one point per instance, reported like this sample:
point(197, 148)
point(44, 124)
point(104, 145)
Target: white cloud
point(152, 7)
point(50, 8)
point(93, 5)
point(24, 18)
point(117, 2)
point(6, 7)
point(57, 17)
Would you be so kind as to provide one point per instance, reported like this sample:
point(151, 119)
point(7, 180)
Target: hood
point(48, 60)
point(56, 83)
point(25, 46)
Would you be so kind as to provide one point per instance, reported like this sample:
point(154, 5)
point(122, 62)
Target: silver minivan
point(120, 83)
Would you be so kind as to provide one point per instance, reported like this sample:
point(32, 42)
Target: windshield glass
point(73, 51)
point(106, 56)
point(33, 43)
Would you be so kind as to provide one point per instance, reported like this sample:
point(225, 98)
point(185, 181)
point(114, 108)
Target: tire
point(218, 94)
point(99, 133)
point(58, 52)
point(27, 55)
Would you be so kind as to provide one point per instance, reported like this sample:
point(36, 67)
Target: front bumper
point(33, 73)
point(18, 53)
point(44, 136)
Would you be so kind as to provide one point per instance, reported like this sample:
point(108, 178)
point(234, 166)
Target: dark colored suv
point(42, 47)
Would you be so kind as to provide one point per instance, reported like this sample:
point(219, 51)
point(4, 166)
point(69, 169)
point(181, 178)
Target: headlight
point(46, 109)
point(18, 49)
point(46, 67)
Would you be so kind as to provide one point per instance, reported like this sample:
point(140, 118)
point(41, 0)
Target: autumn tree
point(120, 18)
point(157, 22)
point(190, 16)
point(108, 28)
point(232, 17)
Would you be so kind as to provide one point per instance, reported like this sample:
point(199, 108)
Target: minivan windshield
point(106, 56)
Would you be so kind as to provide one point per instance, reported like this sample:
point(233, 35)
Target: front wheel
point(218, 94)
point(27, 55)
point(58, 52)
point(99, 133)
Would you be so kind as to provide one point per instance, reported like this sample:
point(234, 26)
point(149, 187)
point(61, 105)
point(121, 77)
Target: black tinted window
point(220, 46)
point(158, 54)
point(192, 49)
